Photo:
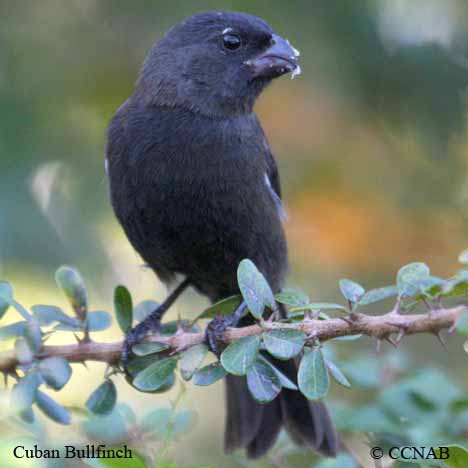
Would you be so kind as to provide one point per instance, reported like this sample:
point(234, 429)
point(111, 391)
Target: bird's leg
point(216, 327)
point(151, 323)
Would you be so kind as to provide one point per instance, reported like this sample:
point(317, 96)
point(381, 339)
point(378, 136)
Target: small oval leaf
point(191, 360)
point(209, 374)
point(254, 289)
point(351, 290)
point(143, 309)
point(336, 373)
point(24, 392)
point(313, 379)
point(71, 283)
point(52, 409)
point(47, 314)
point(263, 383)
point(285, 381)
point(284, 343)
point(123, 308)
point(156, 375)
point(56, 372)
point(151, 347)
point(409, 278)
point(223, 307)
point(98, 320)
point(240, 356)
point(102, 400)
point(378, 294)
point(292, 297)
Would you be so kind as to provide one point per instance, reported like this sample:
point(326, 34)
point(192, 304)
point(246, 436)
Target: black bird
point(196, 189)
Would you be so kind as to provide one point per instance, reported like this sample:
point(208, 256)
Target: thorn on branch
point(452, 327)
point(401, 334)
point(440, 338)
point(390, 340)
point(348, 320)
point(378, 343)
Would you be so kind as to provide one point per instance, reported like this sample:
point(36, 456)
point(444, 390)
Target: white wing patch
point(277, 200)
point(106, 166)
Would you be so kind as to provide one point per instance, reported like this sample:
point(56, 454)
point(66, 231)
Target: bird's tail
point(254, 427)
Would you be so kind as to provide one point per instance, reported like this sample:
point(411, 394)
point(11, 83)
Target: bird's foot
point(152, 323)
point(214, 332)
point(215, 329)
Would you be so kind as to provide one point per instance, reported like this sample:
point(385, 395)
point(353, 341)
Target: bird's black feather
point(196, 188)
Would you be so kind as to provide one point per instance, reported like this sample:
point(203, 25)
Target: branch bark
point(391, 326)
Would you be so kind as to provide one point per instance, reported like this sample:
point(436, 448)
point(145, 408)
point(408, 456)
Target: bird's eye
point(232, 41)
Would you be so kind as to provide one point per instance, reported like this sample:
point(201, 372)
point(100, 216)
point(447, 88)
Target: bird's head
point(215, 63)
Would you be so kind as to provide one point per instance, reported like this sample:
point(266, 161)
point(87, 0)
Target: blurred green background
point(371, 141)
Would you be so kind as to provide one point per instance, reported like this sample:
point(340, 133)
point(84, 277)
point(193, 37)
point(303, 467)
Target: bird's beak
point(280, 58)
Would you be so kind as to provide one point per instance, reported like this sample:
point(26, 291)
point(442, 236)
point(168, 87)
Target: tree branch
point(391, 326)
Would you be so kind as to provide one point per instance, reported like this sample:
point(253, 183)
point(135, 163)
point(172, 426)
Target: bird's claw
point(134, 335)
point(214, 332)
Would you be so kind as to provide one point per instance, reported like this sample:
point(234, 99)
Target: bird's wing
point(272, 181)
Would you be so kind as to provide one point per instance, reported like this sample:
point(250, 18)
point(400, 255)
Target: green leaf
point(263, 383)
point(432, 286)
point(223, 307)
point(457, 285)
point(102, 400)
point(351, 290)
point(379, 294)
point(33, 334)
point(155, 375)
point(463, 257)
point(461, 325)
point(24, 392)
point(336, 373)
point(313, 379)
point(123, 308)
point(56, 371)
point(191, 360)
point(458, 456)
point(47, 314)
point(285, 381)
point(240, 356)
point(71, 283)
point(13, 330)
point(23, 352)
point(409, 278)
point(209, 374)
point(98, 320)
point(151, 347)
point(52, 409)
point(284, 343)
point(292, 297)
point(143, 309)
point(5, 292)
point(255, 289)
